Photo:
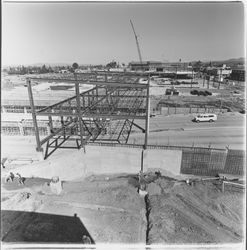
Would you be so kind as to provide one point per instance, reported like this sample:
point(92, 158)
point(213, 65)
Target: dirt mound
point(194, 214)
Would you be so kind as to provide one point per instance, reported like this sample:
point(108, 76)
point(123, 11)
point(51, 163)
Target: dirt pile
point(194, 214)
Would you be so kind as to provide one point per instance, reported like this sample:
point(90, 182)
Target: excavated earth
point(108, 209)
point(180, 213)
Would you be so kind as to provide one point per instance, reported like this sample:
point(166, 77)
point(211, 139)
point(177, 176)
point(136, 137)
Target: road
point(176, 130)
point(179, 130)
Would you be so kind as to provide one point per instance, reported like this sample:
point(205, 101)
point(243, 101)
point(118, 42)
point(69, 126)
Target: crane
point(137, 43)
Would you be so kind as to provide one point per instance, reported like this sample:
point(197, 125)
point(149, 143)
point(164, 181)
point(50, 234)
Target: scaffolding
point(104, 113)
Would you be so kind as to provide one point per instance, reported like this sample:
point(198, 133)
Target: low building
point(219, 72)
point(238, 74)
point(174, 70)
point(145, 66)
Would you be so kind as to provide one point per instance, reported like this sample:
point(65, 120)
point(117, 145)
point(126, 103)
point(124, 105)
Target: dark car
point(194, 92)
point(168, 92)
point(208, 92)
point(202, 93)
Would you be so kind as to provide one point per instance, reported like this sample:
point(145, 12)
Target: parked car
point(205, 118)
point(208, 92)
point(194, 92)
point(202, 93)
point(168, 92)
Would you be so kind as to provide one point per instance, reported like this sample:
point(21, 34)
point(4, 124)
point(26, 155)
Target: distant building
point(173, 70)
point(63, 71)
point(238, 74)
point(157, 66)
point(146, 66)
point(117, 69)
point(219, 73)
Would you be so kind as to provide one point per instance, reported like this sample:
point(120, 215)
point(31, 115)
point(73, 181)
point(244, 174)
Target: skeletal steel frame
point(116, 99)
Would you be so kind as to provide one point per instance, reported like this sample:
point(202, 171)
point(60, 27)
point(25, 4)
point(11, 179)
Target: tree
point(50, 70)
point(112, 64)
point(75, 66)
point(44, 69)
point(23, 70)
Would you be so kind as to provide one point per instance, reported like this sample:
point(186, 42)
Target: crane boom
point(137, 43)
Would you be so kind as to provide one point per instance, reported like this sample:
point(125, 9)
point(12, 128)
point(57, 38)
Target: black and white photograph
point(123, 125)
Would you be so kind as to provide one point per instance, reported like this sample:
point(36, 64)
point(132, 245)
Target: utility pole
point(191, 78)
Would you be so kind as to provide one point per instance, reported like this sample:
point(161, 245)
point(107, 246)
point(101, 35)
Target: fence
point(235, 162)
point(18, 128)
point(212, 161)
point(190, 110)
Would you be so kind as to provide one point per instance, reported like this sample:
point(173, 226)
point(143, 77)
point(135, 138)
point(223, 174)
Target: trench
point(148, 210)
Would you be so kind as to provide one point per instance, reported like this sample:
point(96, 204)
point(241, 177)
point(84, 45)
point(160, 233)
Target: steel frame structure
point(105, 113)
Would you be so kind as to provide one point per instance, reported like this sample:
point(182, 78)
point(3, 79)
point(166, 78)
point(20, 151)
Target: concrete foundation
point(70, 165)
point(167, 161)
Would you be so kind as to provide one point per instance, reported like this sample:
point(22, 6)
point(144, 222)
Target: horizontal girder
point(113, 102)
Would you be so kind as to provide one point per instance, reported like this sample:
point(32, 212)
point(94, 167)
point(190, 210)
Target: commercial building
point(219, 72)
point(238, 74)
point(176, 70)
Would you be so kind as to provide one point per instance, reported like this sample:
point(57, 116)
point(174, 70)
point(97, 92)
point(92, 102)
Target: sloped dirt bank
point(194, 214)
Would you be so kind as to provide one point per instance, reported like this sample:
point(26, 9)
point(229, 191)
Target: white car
point(205, 118)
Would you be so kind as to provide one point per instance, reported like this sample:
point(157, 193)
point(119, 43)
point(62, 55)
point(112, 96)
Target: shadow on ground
point(20, 226)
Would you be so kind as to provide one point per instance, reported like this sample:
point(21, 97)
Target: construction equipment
point(137, 43)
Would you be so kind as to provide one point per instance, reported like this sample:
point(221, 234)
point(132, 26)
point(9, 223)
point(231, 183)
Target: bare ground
point(108, 209)
point(195, 214)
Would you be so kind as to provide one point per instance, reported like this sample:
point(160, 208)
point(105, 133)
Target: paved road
point(179, 130)
point(229, 129)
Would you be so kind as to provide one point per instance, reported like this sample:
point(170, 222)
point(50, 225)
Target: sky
point(97, 33)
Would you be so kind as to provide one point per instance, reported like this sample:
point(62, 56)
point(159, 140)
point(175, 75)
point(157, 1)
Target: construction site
point(86, 171)
point(110, 157)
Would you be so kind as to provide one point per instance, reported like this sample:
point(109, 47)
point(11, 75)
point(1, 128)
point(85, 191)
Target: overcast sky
point(92, 33)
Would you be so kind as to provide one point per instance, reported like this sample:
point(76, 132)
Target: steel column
point(35, 124)
point(147, 115)
point(79, 109)
point(50, 124)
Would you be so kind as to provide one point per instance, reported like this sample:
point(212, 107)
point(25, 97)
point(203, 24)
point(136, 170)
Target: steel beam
point(63, 101)
point(57, 131)
point(99, 83)
point(77, 90)
point(110, 116)
point(35, 124)
point(147, 116)
point(142, 129)
point(113, 100)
